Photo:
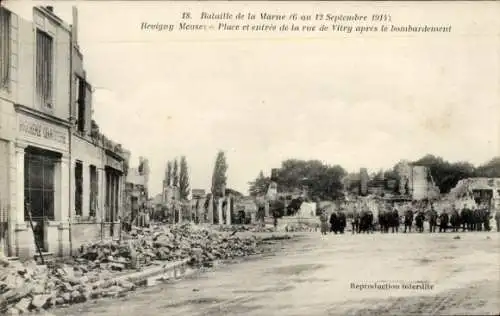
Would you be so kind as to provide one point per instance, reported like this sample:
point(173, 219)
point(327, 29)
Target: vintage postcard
point(249, 158)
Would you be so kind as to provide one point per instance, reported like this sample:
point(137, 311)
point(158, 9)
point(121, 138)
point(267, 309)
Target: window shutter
point(88, 107)
point(14, 53)
point(5, 49)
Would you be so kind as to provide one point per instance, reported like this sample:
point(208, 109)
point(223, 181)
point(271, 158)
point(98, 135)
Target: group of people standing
point(470, 219)
point(467, 219)
point(361, 222)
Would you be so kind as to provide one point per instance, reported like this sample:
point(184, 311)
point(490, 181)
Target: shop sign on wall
point(40, 131)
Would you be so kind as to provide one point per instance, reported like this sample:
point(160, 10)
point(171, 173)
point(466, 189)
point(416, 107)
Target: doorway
point(39, 189)
point(112, 197)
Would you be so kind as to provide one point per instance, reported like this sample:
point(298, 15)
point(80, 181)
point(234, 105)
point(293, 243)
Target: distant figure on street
point(433, 216)
point(455, 220)
point(408, 220)
point(342, 221)
point(419, 221)
point(324, 222)
point(443, 222)
point(334, 222)
point(497, 220)
point(477, 221)
point(466, 218)
point(355, 222)
point(486, 219)
point(395, 221)
point(366, 222)
point(275, 219)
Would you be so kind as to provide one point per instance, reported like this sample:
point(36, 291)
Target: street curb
point(169, 270)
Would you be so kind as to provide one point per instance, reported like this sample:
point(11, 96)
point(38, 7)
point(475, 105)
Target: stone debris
point(246, 228)
point(28, 287)
point(147, 246)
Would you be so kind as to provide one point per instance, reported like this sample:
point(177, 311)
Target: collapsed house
point(483, 192)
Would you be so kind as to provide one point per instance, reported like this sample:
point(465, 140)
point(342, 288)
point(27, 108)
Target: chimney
point(50, 8)
point(74, 27)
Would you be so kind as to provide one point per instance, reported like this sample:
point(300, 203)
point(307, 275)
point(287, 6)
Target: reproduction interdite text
point(291, 22)
point(392, 285)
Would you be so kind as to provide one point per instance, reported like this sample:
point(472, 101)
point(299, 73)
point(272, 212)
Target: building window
point(4, 49)
point(44, 69)
point(93, 191)
point(112, 195)
point(80, 101)
point(78, 188)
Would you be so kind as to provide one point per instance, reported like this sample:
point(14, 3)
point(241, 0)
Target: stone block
point(51, 232)
point(25, 242)
point(116, 230)
point(64, 240)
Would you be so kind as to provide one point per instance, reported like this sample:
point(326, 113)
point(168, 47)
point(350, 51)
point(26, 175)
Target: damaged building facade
point(136, 194)
point(56, 168)
point(482, 191)
point(416, 181)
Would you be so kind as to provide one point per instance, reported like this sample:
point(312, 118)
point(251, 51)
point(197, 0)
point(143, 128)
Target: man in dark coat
point(443, 222)
point(355, 222)
point(408, 220)
point(486, 219)
point(478, 223)
point(342, 221)
point(433, 216)
point(497, 220)
point(333, 223)
point(384, 220)
point(366, 221)
point(381, 221)
point(419, 221)
point(466, 218)
point(369, 222)
point(455, 220)
point(395, 221)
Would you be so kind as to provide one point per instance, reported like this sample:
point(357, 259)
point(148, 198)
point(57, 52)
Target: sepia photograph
point(259, 158)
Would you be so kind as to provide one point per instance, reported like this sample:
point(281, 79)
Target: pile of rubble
point(245, 228)
point(232, 228)
point(263, 229)
point(29, 287)
point(148, 246)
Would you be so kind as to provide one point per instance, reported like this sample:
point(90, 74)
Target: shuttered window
point(94, 189)
point(4, 49)
point(78, 188)
point(80, 101)
point(44, 68)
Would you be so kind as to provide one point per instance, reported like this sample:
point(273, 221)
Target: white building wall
point(420, 185)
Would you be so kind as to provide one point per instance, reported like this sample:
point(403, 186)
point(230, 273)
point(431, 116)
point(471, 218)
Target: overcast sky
point(354, 100)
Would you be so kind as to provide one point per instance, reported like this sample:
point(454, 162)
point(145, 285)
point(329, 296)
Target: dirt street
point(335, 275)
